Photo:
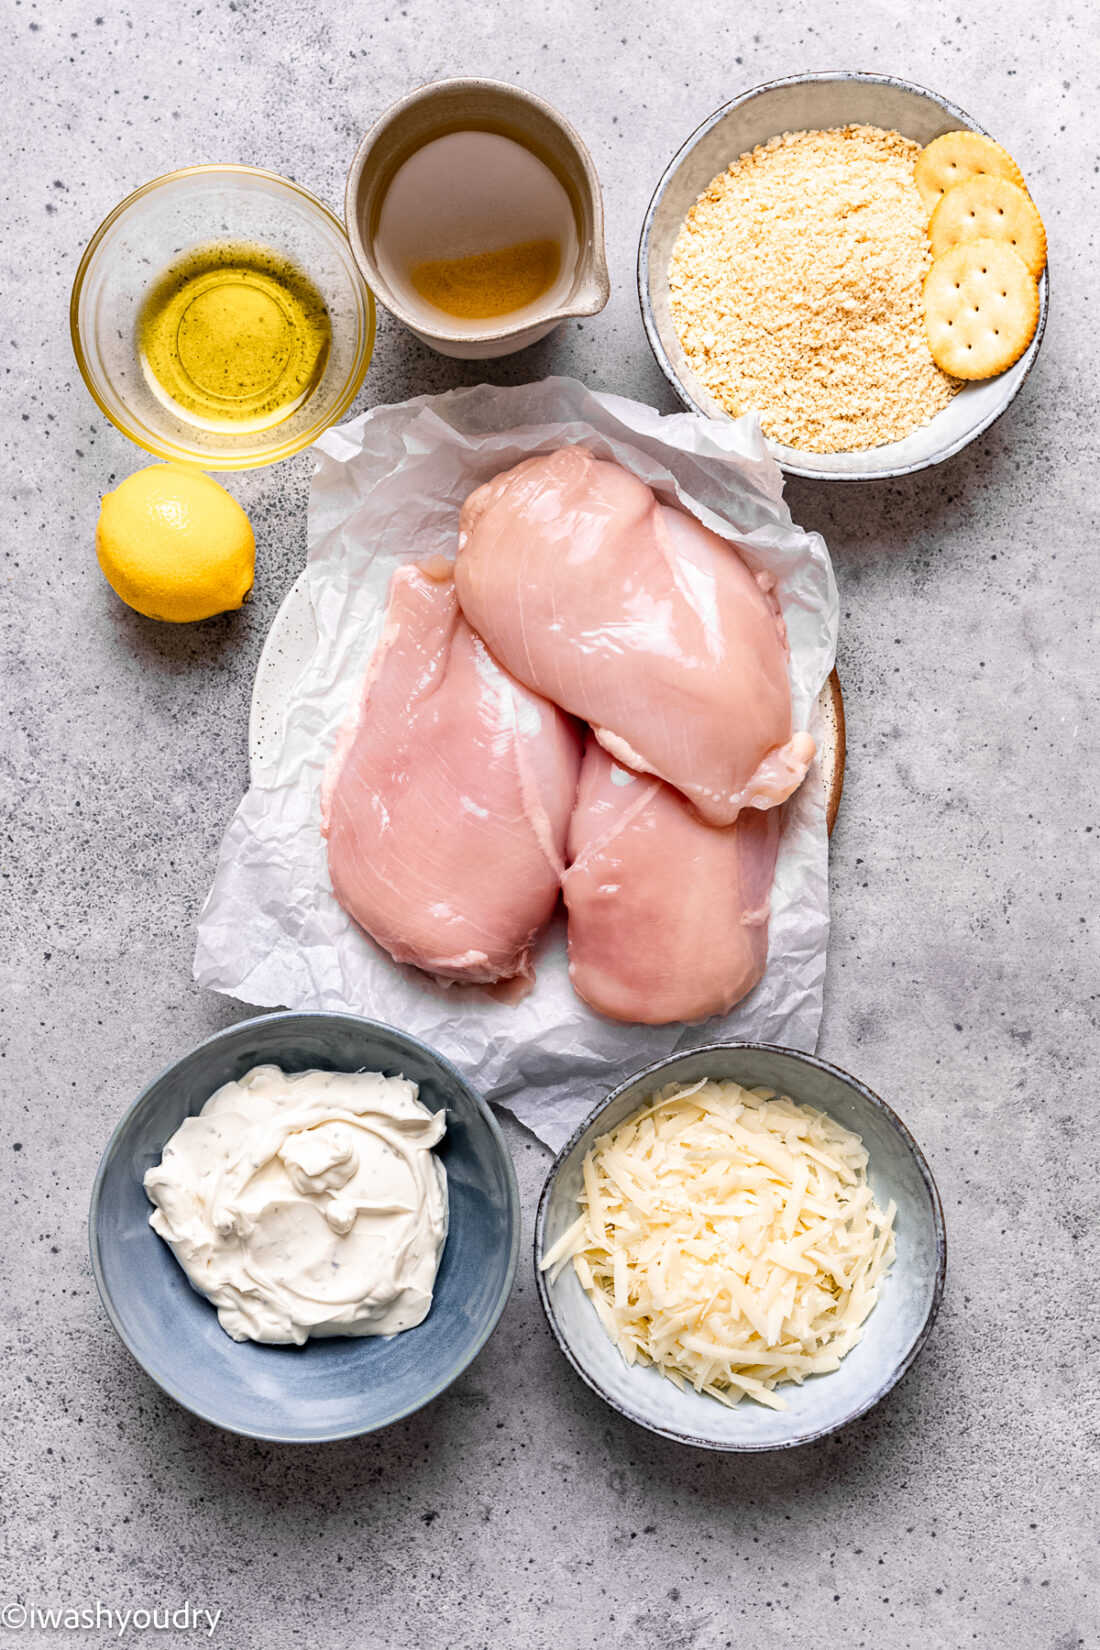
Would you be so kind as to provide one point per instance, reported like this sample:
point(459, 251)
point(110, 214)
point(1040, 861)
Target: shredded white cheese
point(729, 1238)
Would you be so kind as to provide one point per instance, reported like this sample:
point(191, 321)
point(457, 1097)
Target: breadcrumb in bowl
point(864, 403)
point(795, 288)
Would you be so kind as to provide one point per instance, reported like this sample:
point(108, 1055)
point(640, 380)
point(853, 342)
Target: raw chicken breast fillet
point(668, 916)
point(447, 800)
point(637, 618)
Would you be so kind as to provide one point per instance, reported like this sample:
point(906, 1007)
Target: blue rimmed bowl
point(327, 1389)
point(894, 1332)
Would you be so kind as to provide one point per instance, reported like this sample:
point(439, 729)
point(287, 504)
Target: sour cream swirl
point(307, 1203)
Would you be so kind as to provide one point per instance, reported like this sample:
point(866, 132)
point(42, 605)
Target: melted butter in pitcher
point(473, 227)
point(486, 284)
point(234, 337)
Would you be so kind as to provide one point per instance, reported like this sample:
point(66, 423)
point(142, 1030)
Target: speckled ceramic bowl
point(473, 104)
point(327, 1389)
point(811, 103)
point(896, 1329)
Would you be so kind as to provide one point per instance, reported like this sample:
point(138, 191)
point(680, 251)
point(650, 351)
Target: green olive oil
point(234, 337)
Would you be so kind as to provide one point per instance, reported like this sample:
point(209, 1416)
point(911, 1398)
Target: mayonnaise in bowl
point(307, 1203)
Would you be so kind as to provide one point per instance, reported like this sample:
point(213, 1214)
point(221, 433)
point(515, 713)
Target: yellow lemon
point(175, 545)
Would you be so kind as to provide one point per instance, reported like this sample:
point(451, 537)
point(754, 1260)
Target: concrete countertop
point(962, 984)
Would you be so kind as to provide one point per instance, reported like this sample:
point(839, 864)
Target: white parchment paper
point(386, 490)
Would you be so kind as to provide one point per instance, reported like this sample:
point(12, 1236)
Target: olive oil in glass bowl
point(234, 337)
point(219, 319)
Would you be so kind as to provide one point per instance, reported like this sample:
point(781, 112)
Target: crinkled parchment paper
point(387, 489)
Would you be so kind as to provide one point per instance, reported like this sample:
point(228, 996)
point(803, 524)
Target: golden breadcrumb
point(796, 290)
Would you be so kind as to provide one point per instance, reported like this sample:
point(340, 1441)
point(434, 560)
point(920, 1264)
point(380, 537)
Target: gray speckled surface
point(963, 973)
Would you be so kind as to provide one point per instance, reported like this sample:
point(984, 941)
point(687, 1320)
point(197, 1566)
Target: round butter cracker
point(981, 308)
point(990, 208)
point(956, 156)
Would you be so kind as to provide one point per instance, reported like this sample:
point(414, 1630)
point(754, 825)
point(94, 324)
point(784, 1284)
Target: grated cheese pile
point(729, 1238)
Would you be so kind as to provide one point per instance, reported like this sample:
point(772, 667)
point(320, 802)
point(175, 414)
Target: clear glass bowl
point(151, 229)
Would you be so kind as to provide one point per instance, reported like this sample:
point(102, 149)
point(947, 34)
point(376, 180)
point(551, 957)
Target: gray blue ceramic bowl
point(327, 1389)
point(808, 103)
point(896, 1329)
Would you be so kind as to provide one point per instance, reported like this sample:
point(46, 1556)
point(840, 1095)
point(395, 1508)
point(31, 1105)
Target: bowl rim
point(727, 1446)
point(333, 1435)
point(809, 472)
point(251, 461)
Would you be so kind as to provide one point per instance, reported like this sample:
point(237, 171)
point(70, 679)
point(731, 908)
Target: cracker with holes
point(981, 308)
point(990, 208)
point(956, 156)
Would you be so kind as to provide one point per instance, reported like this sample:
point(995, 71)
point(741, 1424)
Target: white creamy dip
point(307, 1204)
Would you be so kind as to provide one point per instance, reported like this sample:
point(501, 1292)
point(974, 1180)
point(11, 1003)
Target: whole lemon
point(175, 545)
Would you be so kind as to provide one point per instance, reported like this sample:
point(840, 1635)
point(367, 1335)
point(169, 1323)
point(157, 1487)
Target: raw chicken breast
point(447, 801)
point(668, 916)
point(637, 618)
